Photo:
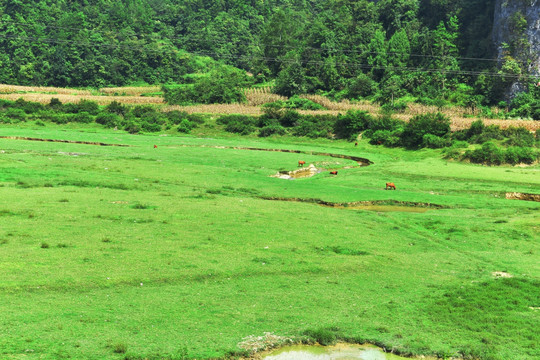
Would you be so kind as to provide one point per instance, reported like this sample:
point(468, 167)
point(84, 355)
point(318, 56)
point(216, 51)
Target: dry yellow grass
point(260, 96)
point(217, 109)
point(9, 89)
point(101, 100)
point(130, 90)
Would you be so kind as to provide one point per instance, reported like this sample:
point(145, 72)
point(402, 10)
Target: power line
point(362, 52)
point(277, 60)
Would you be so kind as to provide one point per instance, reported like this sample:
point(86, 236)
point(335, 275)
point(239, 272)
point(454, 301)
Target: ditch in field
point(340, 351)
point(377, 205)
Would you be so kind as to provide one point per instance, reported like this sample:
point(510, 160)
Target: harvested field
point(101, 100)
point(217, 109)
point(129, 90)
point(10, 89)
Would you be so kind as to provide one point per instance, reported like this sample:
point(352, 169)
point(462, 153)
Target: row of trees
point(348, 48)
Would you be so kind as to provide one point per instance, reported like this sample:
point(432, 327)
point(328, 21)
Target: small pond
point(338, 352)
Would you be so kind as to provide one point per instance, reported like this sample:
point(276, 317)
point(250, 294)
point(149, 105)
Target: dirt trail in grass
point(61, 141)
point(381, 205)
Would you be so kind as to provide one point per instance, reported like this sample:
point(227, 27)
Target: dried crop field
point(16, 89)
point(101, 100)
point(129, 90)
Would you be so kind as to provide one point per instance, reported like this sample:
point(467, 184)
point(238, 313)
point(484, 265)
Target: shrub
point(398, 106)
point(289, 118)
point(491, 132)
point(515, 155)
point(226, 119)
point(82, 117)
point(132, 127)
point(185, 126)
point(314, 126)
point(150, 127)
point(140, 110)
point(154, 118)
point(488, 154)
point(324, 337)
point(196, 118)
point(434, 141)
point(15, 113)
point(116, 108)
point(55, 104)
point(90, 107)
point(519, 136)
point(353, 122)
point(40, 123)
point(27, 106)
point(477, 127)
point(273, 129)
point(386, 137)
point(297, 102)
point(240, 127)
point(108, 119)
point(431, 123)
point(361, 86)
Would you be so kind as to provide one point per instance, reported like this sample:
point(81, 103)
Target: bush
point(55, 104)
point(519, 136)
point(289, 118)
point(15, 114)
point(324, 337)
point(226, 119)
point(431, 123)
point(297, 102)
point(116, 108)
point(491, 132)
point(386, 137)
point(315, 126)
point(185, 126)
point(348, 126)
point(132, 127)
point(398, 106)
point(516, 155)
point(150, 127)
point(82, 117)
point(488, 154)
point(241, 127)
point(154, 118)
point(140, 110)
point(272, 129)
point(90, 107)
point(434, 141)
point(27, 106)
point(108, 119)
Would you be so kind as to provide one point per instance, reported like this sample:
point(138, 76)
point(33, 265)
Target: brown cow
point(333, 172)
point(155, 146)
point(390, 186)
point(301, 163)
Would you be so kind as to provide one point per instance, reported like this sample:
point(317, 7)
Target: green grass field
point(173, 252)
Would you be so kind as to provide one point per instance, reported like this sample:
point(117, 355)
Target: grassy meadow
point(175, 252)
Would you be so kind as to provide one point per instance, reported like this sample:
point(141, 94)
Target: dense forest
point(350, 49)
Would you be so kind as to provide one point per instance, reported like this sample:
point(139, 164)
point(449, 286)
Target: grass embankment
point(171, 252)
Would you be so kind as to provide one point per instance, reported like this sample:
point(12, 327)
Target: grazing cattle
point(301, 163)
point(155, 146)
point(333, 172)
point(390, 186)
point(355, 144)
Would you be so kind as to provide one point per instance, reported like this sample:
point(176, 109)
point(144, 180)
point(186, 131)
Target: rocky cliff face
point(504, 28)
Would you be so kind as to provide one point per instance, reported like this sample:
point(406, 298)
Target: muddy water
point(338, 352)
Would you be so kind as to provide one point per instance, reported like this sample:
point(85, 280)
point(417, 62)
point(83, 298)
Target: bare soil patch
point(523, 196)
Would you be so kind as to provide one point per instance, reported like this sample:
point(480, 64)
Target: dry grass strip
point(101, 100)
point(9, 89)
point(130, 90)
point(217, 109)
